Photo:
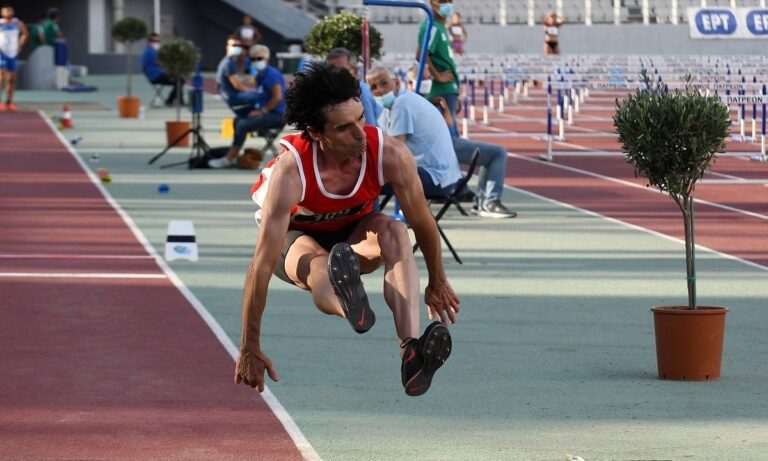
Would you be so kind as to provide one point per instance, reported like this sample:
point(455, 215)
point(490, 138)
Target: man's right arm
point(284, 192)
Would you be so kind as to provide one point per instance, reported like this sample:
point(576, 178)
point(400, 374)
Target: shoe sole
point(490, 214)
point(435, 347)
point(344, 273)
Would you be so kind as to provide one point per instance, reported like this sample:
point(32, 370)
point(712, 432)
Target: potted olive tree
point(177, 57)
point(671, 138)
point(128, 31)
point(342, 30)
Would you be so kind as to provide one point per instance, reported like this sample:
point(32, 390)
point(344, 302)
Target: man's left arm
point(400, 170)
point(23, 34)
point(276, 95)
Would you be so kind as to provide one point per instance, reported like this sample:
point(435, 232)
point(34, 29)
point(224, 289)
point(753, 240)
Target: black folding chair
point(158, 100)
point(270, 135)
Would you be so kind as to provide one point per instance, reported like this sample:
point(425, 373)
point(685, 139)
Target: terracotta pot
point(128, 107)
point(175, 129)
point(689, 343)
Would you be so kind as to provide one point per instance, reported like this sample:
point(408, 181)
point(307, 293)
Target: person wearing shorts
point(13, 34)
point(552, 23)
point(318, 229)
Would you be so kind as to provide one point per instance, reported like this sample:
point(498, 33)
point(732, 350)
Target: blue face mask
point(260, 65)
point(446, 9)
point(235, 51)
point(387, 100)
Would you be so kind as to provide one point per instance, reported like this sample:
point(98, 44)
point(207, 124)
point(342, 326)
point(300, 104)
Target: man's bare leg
point(306, 264)
point(10, 83)
point(379, 239)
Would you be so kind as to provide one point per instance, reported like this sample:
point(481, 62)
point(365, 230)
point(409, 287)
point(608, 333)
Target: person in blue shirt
point(426, 131)
point(345, 59)
point(154, 73)
point(420, 125)
point(238, 97)
point(268, 104)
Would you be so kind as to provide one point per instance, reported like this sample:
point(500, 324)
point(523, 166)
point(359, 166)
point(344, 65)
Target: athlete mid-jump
point(318, 229)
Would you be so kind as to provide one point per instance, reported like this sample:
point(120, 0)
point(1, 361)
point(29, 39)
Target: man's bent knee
point(393, 240)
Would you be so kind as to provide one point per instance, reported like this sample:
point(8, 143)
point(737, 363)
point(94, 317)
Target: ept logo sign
point(757, 22)
point(715, 22)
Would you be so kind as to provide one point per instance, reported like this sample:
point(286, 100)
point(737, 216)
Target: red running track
point(92, 368)
point(732, 219)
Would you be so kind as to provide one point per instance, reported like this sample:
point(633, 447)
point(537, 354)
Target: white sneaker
point(495, 210)
point(217, 163)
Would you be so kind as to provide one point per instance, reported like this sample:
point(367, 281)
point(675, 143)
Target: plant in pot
point(671, 138)
point(178, 57)
point(342, 30)
point(128, 31)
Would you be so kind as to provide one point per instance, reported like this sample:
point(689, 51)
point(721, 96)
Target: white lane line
point(80, 275)
point(636, 186)
point(632, 226)
point(58, 256)
point(305, 448)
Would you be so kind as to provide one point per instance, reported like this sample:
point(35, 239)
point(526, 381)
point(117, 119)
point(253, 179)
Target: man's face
point(343, 132)
point(436, 5)
point(381, 84)
point(343, 62)
point(7, 12)
point(247, 20)
point(231, 45)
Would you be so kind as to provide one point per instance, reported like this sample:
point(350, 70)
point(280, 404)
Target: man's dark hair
point(154, 36)
point(53, 13)
point(314, 91)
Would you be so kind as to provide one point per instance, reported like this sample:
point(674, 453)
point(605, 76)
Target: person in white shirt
point(13, 35)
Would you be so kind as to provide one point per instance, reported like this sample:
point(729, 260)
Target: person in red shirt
point(318, 229)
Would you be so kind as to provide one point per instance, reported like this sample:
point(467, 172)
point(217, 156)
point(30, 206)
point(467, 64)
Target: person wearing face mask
point(268, 108)
point(154, 73)
point(445, 77)
point(426, 130)
point(416, 122)
point(232, 90)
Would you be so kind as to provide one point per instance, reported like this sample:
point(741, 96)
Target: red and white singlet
point(320, 210)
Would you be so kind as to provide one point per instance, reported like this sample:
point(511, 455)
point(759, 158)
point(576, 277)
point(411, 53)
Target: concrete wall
point(597, 39)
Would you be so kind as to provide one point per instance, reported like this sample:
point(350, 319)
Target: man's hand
point(444, 76)
point(256, 113)
point(250, 369)
point(441, 301)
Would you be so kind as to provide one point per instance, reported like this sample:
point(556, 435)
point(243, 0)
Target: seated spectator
point(232, 90)
point(413, 120)
point(247, 33)
point(342, 57)
point(51, 30)
point(269, 105)
point(155, 73)
point(492, 161)
point(493, 167)
point(37, 32)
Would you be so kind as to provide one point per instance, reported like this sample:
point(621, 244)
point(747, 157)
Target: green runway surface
point(553, 351)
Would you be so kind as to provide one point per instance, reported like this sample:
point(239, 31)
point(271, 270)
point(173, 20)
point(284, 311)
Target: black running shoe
point(344, 272)
point(423, 357)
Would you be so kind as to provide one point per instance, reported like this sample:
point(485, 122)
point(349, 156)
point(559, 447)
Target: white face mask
point(386, 100)
point(260, 65)
point(235, 51)
point(155, 45)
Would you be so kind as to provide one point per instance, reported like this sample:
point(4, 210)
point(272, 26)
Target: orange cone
point(66, 118)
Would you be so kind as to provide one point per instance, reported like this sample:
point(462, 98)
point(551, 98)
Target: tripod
point(199, 146)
